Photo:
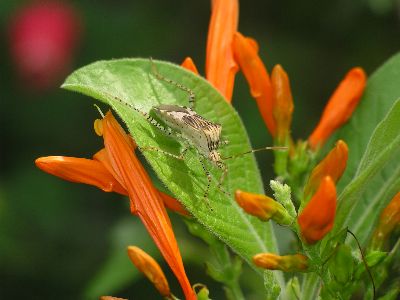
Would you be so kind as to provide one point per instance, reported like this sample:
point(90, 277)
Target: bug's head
point(215, 157)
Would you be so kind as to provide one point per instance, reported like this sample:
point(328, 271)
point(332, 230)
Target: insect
point(195, 131)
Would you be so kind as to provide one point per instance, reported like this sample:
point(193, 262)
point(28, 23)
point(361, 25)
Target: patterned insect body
point(184, 124)
point(200, 133)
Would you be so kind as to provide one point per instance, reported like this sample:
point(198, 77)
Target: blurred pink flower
point(43, 37)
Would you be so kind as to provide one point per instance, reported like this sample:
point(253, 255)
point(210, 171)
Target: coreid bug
point(195, 131)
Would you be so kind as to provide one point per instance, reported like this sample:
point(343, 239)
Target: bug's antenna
point(365, 263)
point(256, 150)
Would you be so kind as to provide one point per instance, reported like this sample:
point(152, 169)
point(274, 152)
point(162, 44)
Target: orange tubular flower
point(111, 298)
point(333, 165)
point(340, 106)
point(150, 268)
point(246, 55)
point(262, 207)
point(94, 172)
point(286, 263)
point(125, 175)
point(282, 103)
point(80, 170)
point(188, 64)
point(317, 218)
point(388, 221)
point(220, 64)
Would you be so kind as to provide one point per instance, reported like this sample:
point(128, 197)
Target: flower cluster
point(274, 99)
point(310, 214)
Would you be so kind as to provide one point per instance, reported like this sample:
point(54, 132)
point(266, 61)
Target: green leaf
point(384, 144)
point(342, 264)
point(293, 289)
point(272, 287)
point(382, 90)
point(133, 81)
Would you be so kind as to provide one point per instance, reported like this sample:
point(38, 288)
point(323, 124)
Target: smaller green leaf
point(372, 259)
point(384, 143)
point(341, 265)
point(331, 243)
point(272, 286)
point(293, 289)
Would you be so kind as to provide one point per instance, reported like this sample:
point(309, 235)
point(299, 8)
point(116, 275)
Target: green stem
point(231, 273)
point(309, 287)
point(233, 291)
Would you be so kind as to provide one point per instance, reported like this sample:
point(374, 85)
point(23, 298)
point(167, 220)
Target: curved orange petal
point(173, 204)
point(188, 64)
point(220, 64)
point(80, 170)
point(317, 218)
point(150, 268)
point(333, 165)
point(146, 199)
point(245, 53)
point(340, 106)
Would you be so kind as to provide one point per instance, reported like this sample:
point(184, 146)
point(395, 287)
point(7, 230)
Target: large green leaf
point(372, 175)
point(383, 89)
point(133, 81)
point(382, 148)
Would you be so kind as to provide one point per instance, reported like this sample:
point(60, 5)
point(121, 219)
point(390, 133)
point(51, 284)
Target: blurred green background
point(60, 240)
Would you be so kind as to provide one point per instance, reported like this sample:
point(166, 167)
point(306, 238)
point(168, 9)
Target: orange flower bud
point(333, 165)
point(388, 221)
point(286, 263)
point(262, 207)
point(150, 268)
point(340, 106)
point(282, 103)
point(317, 218)
point(245, 53)
point(188, 64)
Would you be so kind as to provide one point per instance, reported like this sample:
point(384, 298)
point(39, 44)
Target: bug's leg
point(255, 150)
point(183, 152)
point(222, 178)
point(192, 96)
point(180, 157)
point(205, 196)
point(149, 118)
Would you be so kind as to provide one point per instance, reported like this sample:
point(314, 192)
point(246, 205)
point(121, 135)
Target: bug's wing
point(210, 130)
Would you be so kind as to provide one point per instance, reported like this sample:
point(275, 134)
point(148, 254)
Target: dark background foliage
point(55, 236)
